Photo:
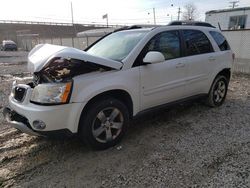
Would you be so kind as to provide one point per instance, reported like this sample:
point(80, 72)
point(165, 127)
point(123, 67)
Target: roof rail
point(135, 27)
point(193, 23)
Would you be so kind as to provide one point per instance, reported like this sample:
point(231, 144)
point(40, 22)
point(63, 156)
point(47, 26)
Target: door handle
point(211, 58)
point(179, 65)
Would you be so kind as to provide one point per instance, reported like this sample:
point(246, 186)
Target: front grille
point(19, 93)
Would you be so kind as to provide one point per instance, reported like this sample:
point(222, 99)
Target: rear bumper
point(9, 48)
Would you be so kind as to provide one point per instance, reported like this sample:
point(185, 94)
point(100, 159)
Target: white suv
point(97, 91)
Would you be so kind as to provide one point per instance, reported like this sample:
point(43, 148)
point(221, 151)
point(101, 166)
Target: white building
point(235, 25)
point(230, 19)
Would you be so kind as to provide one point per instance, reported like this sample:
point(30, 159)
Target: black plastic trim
point(61, 133)
point(167, 105)
point(190, 23)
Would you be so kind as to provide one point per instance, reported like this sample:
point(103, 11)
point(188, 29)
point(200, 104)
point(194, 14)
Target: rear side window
point(196, 42)
point(220, 40)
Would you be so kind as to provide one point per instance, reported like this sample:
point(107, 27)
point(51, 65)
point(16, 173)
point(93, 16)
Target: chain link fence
point(29, 34)
point(26, 40)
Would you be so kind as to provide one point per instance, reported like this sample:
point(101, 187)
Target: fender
point(88, 86)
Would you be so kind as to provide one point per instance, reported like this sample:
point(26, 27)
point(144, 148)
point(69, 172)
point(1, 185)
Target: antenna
point(234, 4)
point(219, 25)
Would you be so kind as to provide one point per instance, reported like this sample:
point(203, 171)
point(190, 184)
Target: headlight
point(56, 93)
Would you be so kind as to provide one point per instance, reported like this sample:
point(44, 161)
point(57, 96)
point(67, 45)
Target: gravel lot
point(188, 145)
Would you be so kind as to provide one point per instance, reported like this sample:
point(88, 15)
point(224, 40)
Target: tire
point(218, 91)
point(104, 123)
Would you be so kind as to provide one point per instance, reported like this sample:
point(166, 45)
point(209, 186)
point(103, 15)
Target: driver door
point(165, 81)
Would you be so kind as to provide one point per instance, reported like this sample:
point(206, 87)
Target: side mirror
point(153, 57)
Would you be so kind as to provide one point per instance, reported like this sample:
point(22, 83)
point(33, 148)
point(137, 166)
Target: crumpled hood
point(41, 54)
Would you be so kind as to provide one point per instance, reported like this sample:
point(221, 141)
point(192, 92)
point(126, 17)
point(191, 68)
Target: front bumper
point(22, 125)
point(57, 118)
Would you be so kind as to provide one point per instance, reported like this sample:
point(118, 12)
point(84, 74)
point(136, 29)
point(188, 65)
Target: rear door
point(223, 54)
point(199, 59)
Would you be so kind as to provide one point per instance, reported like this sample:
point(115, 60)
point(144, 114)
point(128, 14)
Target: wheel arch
point(225, 72)
point(210, 101)
point(118, 94)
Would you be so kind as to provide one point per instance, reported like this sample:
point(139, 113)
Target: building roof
point(228, 10)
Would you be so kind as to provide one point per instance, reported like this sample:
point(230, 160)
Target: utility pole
point(154, 16)
point(72, 21)
point(72, 13)
point(234, 4)
point(107, 21)
point(179, 13)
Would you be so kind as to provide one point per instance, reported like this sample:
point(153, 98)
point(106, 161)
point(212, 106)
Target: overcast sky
point(91, 11)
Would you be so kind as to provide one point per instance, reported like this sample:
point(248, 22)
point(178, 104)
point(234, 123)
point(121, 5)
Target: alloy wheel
point(107, 125)
point(219, 91)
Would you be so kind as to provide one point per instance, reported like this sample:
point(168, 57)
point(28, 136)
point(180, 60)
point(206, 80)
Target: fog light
point(38, 124)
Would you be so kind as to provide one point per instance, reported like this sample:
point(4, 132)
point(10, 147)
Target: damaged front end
point(35, 107)
point(63, 70)
point(53, 84)
point(54, 68)
point(52, 63)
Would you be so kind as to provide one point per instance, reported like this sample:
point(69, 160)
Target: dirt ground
point(189, 145)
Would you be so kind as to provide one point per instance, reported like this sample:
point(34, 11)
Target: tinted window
point(220, 40)
point(196, 42)
point(168, 43)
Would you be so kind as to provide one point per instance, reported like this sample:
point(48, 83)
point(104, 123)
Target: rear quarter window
point(220, 40)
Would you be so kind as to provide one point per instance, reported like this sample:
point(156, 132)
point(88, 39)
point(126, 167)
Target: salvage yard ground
point(188, 145)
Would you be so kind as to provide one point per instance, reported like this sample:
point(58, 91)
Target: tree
point(190, 12)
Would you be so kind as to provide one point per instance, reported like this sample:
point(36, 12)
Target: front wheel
point(218, 91)
point(104, 123)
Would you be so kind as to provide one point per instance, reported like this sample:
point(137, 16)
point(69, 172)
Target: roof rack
point(135, 27)
point(193, 23)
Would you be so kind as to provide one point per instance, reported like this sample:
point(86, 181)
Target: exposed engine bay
point(62, 70)
point(54, 64)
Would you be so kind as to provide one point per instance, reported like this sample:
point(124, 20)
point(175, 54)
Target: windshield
point(117, 45)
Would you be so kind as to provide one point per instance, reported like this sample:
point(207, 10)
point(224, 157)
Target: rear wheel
point(218, 91)
point(104, 123)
